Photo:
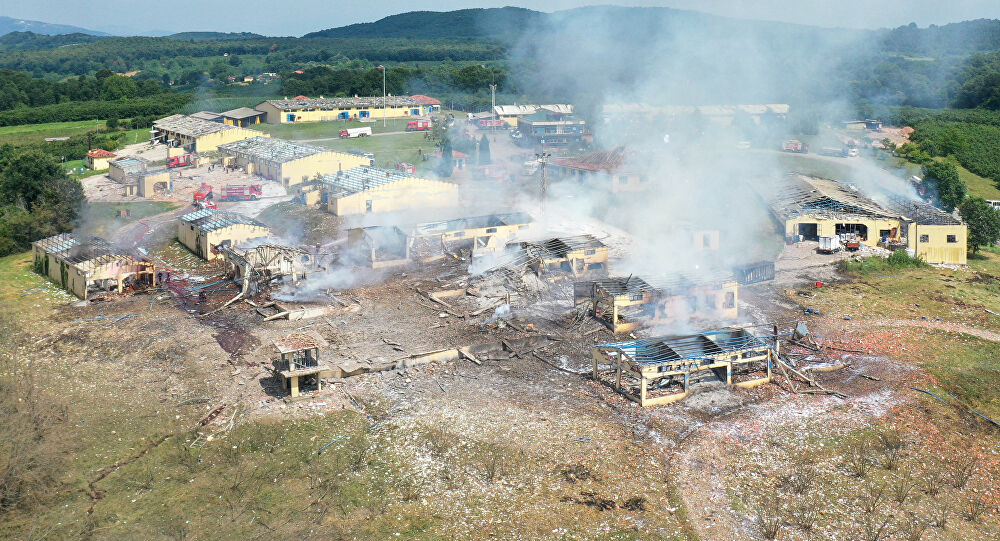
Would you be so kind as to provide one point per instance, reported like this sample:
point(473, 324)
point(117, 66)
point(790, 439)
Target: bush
point(899, 260)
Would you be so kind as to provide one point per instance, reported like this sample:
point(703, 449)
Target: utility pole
point(493, 109)
point(383, 94)
point(543, 182)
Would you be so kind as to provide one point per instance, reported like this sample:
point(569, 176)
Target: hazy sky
point(296, 17)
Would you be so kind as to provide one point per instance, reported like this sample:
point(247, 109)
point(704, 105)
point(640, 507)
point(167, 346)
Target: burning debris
point(659, 370)
point(626, 304)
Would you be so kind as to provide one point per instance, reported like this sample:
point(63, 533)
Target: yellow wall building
point(810, 207)
point(204, 229)
point(99, 159)
point(321, 109)
point(89, 266)
point(367, 190)
point(197, 134)
point(289, 162)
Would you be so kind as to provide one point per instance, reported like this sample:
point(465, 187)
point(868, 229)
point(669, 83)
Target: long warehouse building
point(197, 134)
point(289, 162)
point(303, 109)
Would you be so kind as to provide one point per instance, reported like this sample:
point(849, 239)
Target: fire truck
point(795, 146)
point(241, 192)
point(203, 193)
point(179, 161)
point(418, 125)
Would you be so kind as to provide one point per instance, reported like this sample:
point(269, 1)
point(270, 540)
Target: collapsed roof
point(338, 103)
point(700, 346)
point(84, 253)
point(189, 126)
point(477, 222)
point(358, 179)
point(270, 149)
point(207, 220)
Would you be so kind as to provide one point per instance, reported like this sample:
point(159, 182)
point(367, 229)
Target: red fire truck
point(241, 192)
point(203, 193)
point(418, 125)
point(179, 161)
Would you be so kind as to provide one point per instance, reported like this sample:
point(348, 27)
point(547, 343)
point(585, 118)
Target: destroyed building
point(809, 207)
point(626, 304)
point(379, 246)
point(612, 170)
point(257, 266)
point(576, 256)
point(289, 162)
point(299, 361)
point(89, 266)
point(197, 134)
point(723, 115)
point(367, 190)
point(203, 231)
point(120, 169)
point(303, 109)
point(480, 235)
point(242, 117)
point(511, 113)
point(660, 370)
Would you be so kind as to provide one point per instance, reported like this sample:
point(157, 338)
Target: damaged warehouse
point(256, 267)
point(204, 230)
point(627, 304)
point(367, 190)
point(379, 246)
point(90, 265)
point(288, 162)
point(659, 370)
point(479, 235)
point(811, 207)
point(197, 134)
point(578, 256)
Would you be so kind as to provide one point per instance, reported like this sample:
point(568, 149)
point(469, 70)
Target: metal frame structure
point(299, 358)
point(650, 372)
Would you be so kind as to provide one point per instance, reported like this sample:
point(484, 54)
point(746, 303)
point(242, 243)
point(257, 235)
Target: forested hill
point(463, 23)
point(10, 24)
point(214, 36)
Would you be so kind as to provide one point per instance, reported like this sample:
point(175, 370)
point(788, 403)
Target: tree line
point(19, 89)
point(158, 105)
point(37, 199)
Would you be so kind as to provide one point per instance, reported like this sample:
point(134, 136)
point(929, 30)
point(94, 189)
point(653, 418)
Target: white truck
point(351, 133)
point(829, 245)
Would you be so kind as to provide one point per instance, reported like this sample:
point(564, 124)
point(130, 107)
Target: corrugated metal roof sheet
point(212, 219)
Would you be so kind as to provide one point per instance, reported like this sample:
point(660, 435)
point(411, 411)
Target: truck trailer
point(351, 133)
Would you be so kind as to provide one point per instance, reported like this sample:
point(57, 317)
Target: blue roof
point(668, 349)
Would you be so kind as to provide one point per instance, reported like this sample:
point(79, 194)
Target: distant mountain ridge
point(462, 23)
point(10, 24)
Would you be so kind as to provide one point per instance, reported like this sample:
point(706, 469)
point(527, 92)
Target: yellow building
point(367, 190)
point(242, 117)
point(198, 134)
point(303, 109)
point(289, 162)
point(201, 231)
point(810, 207)
point(99, 159)
point(122, 169)
point(90, 266)
point(626, 304)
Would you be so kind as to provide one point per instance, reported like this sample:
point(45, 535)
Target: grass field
point(388, 149)
point(34, 133)
point(100, 219)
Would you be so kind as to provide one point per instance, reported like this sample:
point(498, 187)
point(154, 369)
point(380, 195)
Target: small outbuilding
point(242, 117)
point(299, 363)
point(99, 159)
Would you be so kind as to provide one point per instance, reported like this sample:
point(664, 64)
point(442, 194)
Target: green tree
point(23, 176)
point(112, 123)
point(117, 87)
point(484, 151)
point(447, 164)
point(950, 187)
point(37, 198)
point(983, 221)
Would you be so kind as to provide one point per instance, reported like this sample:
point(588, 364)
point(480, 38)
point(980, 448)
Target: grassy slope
point(963, 363)
point(33, 133)
point(100, 219)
